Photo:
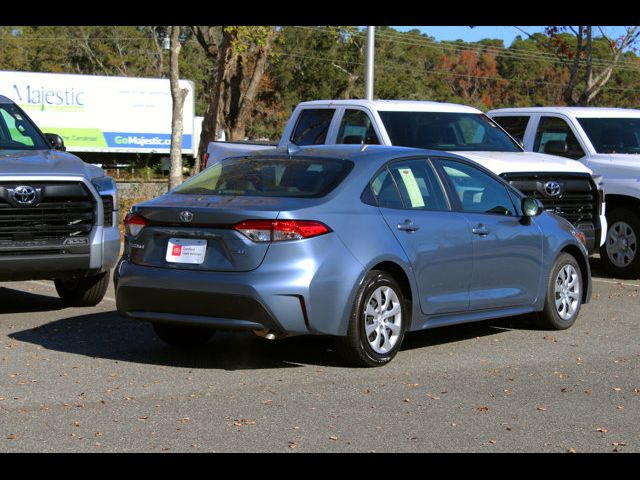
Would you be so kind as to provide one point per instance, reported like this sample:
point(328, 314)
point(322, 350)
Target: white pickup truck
point(607, 140)
point(564, 186)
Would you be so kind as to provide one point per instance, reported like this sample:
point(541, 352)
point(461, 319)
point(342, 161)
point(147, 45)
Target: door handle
point(480, 230)
point(408, 226)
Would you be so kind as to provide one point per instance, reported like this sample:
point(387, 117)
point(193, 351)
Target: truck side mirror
point(555, 147)
point(56, 141)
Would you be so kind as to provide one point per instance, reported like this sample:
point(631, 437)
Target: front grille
point(62, 210)
point(577, 202)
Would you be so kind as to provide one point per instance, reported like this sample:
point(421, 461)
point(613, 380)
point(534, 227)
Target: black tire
point(620, 259)
point(356, 348)
point(83, 292)
point(183, 336)
point(554, 317)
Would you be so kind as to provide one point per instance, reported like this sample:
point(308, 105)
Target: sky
point(507, 34)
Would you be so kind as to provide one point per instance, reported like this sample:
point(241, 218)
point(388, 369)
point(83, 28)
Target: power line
point(403, 38)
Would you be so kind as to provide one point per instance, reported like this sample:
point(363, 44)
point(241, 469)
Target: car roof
point(395, 105)
point(355, 153)
point(593, 112)
point(4, 99)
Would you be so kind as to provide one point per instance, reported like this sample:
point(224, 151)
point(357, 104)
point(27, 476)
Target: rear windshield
point(269, 177)
point(613, 135)
point(447, 131)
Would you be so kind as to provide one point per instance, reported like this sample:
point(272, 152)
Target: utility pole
point(368, 82)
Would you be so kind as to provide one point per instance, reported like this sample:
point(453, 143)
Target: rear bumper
point(205, 299)
point(301, 288)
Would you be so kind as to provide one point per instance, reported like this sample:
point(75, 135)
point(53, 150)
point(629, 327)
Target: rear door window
point(409, 184)
point(355, 128)
point(312, 126)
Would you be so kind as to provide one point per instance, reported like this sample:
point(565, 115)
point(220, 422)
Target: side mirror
point(531, 207)
point(555, 147)
point(56, 141)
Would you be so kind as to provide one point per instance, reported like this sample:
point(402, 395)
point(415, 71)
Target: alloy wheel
point(567, 292)
point(383, 319)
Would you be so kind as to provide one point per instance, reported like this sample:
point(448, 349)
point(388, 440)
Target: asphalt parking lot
point(85, 380)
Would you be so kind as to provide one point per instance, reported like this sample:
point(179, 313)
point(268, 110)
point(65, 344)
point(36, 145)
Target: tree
point(589, 69)
point(240, 57)
point(178, 96)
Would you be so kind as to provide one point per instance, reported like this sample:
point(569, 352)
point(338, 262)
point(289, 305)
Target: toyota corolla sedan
point(361, 243)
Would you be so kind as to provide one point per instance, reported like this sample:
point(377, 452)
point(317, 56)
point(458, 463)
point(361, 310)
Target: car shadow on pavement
point(106, 335)
point(18, 301)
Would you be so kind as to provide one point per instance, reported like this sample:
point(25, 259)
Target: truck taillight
point(133, 224)
point(205, 159)
point(281, 230)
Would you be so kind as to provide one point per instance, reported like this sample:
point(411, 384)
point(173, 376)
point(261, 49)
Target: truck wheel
point(83, 292)
point(377, 323)
point(564, 295)
point(620, 253)
point(182, 336)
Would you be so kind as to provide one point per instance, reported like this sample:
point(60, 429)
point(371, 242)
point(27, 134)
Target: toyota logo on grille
point(186, 216)
point(552, 188)
point(25, 195)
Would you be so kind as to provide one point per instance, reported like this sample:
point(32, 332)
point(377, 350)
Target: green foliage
point(310, 63)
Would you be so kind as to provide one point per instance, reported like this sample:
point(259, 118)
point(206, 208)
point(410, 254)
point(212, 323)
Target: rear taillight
point(205, 159)
point(280, 230)
point(133, 224)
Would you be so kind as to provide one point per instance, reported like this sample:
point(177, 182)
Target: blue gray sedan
point(361, 243)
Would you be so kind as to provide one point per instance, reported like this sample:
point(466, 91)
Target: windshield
point(613, 135)
point(447, 131)
point(17, 132)
point(269, 177)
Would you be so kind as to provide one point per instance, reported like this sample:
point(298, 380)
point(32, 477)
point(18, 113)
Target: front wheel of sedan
point(182, 336)
point(377, 323)
point(564, 295)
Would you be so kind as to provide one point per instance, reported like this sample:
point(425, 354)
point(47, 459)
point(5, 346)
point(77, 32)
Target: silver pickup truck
point(58, 215)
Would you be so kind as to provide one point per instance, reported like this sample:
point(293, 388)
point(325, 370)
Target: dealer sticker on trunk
point(186, 250)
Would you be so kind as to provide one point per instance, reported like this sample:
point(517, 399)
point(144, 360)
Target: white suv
point(607, 140)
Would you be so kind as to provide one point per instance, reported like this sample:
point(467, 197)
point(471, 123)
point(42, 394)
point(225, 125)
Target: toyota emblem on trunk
point(552, 188)
point(25, 195)
point(186, 216)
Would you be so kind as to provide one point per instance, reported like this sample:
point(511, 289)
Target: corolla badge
point(25, 195)
point(186, 216)
point(552, 188)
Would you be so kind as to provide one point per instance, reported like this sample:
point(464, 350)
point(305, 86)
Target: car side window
point(13, 130)
point(355, 128)
point(409, 184)
point(515, 126)
point(554, 128)
point(312, 126)
point(477, 191)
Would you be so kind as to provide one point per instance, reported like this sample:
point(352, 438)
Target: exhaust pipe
point(265, 333)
